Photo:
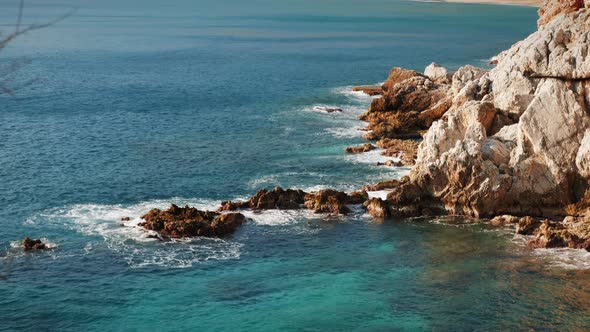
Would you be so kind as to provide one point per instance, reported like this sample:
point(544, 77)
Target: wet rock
point(361, 148)
point(33, 244)
point(369, 90)
point(391, 163)
point(378, 208)
point(555, 235)
point(358, 197)
point(504, 220)
point(527, 226)
point(125, 219)
point(328, 201)
point(327, 109)
point(178, 222)
point(265, 199)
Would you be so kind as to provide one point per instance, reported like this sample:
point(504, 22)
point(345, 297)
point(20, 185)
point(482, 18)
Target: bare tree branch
point(7, 71)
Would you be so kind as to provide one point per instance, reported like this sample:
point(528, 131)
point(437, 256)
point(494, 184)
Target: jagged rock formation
point(33, 244)
point(515, 139)
point(323, 201)
point(177, 222)
point(410, 103)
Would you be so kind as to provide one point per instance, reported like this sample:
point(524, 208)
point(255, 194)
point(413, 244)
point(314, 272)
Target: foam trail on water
point(134, 243)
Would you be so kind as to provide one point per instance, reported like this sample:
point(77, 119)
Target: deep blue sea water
point(137, 104)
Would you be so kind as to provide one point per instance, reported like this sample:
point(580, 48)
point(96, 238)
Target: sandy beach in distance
point(533, 3)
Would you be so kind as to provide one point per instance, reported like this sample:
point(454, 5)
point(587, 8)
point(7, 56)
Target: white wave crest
point(135, 244)
point(354, 95)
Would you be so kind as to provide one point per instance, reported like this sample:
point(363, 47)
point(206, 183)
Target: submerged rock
point(33, 244)
point(177, 222)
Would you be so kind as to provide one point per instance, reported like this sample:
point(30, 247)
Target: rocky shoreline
point(511, 144)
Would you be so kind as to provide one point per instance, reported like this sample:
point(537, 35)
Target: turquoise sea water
point(137, 104)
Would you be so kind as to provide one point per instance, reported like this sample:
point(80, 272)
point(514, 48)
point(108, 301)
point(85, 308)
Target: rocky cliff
point(515, 139)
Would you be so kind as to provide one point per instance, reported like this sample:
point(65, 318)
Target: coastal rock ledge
point(514, 140)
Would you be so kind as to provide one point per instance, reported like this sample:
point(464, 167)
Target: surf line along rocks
point(182, 222)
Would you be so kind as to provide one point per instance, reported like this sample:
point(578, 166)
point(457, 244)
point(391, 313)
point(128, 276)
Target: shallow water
point(139, 104)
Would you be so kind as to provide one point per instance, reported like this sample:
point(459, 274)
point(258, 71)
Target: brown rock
point(371, 90)
point(361, 148)
point(31, 244)
point(177, 222)
point(554, 235)
point(410, 104)
point(504, 220)
point(405, 150)
point(388, 184)
point(527, 226)
point(358, 197)
point(328, 201)
point(378, 208)
point(551, 8)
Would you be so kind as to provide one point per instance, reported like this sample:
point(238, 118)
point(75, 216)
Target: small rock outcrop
point(33, 244)
point(370, 90)
point(181, 222)
point(405, 150)
point(323, 201)
point(410, 103)
point(360, 148)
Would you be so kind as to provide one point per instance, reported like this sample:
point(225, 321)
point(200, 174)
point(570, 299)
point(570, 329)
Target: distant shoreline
point(529, 3)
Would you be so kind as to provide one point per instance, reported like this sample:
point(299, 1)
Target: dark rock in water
point(504, 220)
point(177, 222)
point(371, 90)
point(358, 197)
point(391, 163)
point(125, 219)
point(30, 244)
point(327, 109)
point(333, 110)
point(527, 226)
point(277, 199)
point(388, 184)
point(360, 149)
point(328, 201)
point(378, 208)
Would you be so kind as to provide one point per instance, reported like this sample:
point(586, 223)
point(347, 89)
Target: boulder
point(178, 222)
point(360, 148)
point(504, 220)
point(527, 226)
point(369, 89)
point(377, 208)
point(328, 201)
point(358, 197)
point(33, 244)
